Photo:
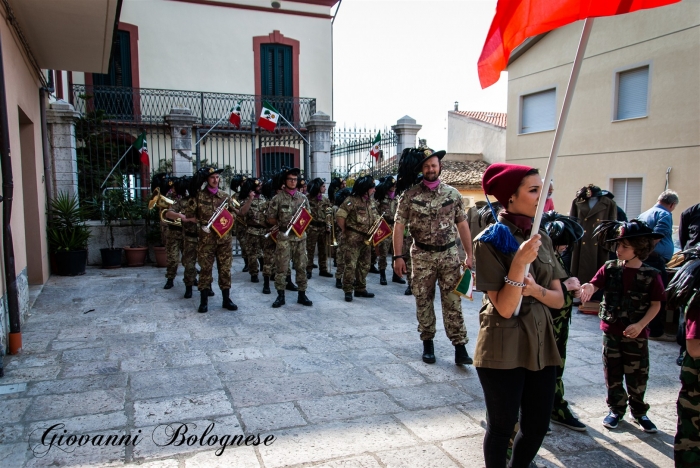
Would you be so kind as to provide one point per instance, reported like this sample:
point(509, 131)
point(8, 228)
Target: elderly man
point(659, 219)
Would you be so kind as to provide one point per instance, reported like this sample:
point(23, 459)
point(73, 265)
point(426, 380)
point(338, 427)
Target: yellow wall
point(596, 149)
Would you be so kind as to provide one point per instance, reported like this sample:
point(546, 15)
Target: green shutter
point(276, 70)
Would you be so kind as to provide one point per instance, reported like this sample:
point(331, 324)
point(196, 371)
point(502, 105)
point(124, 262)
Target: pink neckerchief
point(365, 197)
point(290, 192)
point(391, 195)
point(432, 185)
point(319, 197)
point(257, 195)
point(213, 191)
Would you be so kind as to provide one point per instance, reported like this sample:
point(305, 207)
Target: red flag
point(382, 232)
point(235, 117)
point(223, 223)
point(302, 222)
point(516, 20)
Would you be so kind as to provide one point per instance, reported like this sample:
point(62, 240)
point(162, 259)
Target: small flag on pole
point(268, 117)
point(465, 288)
point(375, 146)
point(382, 232)
point(141, 145)
point(223, 223)
point(302, 222)
point(235, 117)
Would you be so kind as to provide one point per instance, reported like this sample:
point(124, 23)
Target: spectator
point(689, 227)
point(549, 203)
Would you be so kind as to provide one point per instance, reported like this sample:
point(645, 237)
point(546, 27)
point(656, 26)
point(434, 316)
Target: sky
point(395, 57)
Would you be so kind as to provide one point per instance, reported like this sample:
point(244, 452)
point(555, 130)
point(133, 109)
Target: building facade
point(476, 133)
point(635, 112)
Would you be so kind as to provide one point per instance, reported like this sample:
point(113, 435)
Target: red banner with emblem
point(223, 223)
point(382, 232)
point(302, 222)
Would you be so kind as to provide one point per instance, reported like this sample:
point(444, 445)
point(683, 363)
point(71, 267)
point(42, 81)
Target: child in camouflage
point(632, 295)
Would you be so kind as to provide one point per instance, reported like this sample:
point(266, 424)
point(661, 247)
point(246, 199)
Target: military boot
point(168, 284)
point(461, 355)
point(227, 303)
point(326, 274)
point(188, 292)
point(211, 292)
point(408, 291)
point(382, 277)
point(279, 302)
point(339, 283)
point(266, 285)
point(303, 300)
point(428, 352)
point(245, 265)
point(397, 279)
point(373, 269)
point(348, 297)
point(203, 301)
point(254, 278)
point(290, 286)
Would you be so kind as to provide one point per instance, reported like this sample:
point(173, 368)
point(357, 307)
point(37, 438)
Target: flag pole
point(212, 128)
point(115, 166)
point(568, 96)
point(294, 128)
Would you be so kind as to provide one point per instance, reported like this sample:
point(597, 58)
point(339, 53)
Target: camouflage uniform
point(359, 213)
point(340, 250)
point(173, 242)
point(255, 235)
point(561, 318)
point(406, 252)
point(190, 238)
point(626, 358)
point(239, 230)
point(432, 216)
point(211, 246)
point(317, 234)
point(385, 247)
point(282, 207)
point(686, 444)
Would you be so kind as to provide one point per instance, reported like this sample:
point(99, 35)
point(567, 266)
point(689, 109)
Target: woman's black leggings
point(506, 391)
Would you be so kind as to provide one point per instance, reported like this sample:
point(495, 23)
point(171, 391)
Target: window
point(628, 196)
point(273, 161)
point(632, 93)
point(538, 111)
point(117, 103)
point(276, 77)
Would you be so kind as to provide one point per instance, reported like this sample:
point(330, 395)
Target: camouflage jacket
point(388, 207)
point(318, 211)
point(207, 204)
point(629, 305)
point(188, 207)
point(359, 214)
point(255, 217)
point(282, 208)
point(433, 215)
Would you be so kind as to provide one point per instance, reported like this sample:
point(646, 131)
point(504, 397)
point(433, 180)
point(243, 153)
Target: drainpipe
point(8, 246)
point(44, 93)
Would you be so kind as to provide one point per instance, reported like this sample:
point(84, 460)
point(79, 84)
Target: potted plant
point(154, 237)
point(134, 211)
point(111, 208)
point(68, 235)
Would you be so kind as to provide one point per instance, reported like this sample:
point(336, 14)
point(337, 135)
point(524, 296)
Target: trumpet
point(294, 219)
point(330, 225)
point(163, 203)
point(216, 214)
point(374, 228)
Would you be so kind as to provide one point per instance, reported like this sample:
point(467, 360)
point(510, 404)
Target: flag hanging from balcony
point(268, 117)
point(235, 117)
point(302, 222)
point(374, 152)
point(516, 20)
point(382, 232)
point(141, 145)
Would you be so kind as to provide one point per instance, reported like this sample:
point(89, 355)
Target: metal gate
point(350, 152)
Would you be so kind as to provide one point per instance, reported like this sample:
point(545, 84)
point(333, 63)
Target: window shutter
point(539, 112)
point(632, 91)
point(276, 65)
point(628, 196)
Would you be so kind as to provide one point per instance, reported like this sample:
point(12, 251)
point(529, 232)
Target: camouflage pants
point(357, 258)
point(220, 250)
point(294, 250)
point(385, 248)
point(239, 230)
point(173, 249)
point(317, 236)
point(686, 445)
point(560, 410)
point(255, 240)
point(189, 259)
point(626, 359)
point(406, 252)
point(443, 267)
point(269, 248)
point(340, 257)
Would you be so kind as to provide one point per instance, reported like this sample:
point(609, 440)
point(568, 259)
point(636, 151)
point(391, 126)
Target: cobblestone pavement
point(337, 384)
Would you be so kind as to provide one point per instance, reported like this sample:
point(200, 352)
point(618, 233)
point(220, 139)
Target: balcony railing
point(150, 106)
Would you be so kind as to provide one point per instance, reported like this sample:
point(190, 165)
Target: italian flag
point(268, 117)
point(374, 152)
point(141, 145)
point(235, 117)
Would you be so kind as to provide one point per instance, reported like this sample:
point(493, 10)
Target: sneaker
point(572, 423)
point(611, 420)
point(645, 424)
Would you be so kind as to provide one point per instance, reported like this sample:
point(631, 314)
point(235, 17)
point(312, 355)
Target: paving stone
point(85, 354)
point(355, 379)
point(28, 374)
point(85, 368)
point(27, 359)
point(428, 396)
point(63, 406)
point(236, 354)
point(267, 418)
point(442, 370)
point(396, 375)
point(279, 389)
point(347, 406)
point(303, 363)
point(81, 424)
point(197, 406)
point(12, 410)
point(45, 455)
point(239, 457)
point(13, 455)
point(363, 461)
point(422, 455)
point(188, 359)
point(157, 383)
point(244, 370)
point(171, 335)
point(439, 424)
point(466, 450)
point(11, 433)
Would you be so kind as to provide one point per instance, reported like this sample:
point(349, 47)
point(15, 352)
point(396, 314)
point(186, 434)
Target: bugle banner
point(301, 222)
point(465, 287)
point(383, 231)
point(223, 223)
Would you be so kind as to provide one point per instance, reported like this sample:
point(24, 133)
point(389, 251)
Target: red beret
point(502, 180)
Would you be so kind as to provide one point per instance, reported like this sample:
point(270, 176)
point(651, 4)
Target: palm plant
point(66, 228)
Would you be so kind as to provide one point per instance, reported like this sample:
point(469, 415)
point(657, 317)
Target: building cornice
point(241, 6)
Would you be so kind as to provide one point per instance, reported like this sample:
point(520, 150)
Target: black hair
point(341, 195)
point(334, 186)
point(314, 187)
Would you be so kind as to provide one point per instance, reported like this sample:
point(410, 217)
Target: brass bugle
point(272, 231)
point(374, 228)
point(216, 214)
point(330, 225)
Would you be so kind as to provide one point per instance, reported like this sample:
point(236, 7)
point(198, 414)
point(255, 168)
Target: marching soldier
point(339, 199)
point(435, 213)
point(239, 229)
point(269, 190)
point(280, 212)
point(253, 212)
point(173, 233)
point(385, 196)
point(356, 216)
point(211, 245)
point(337, 184)
point(318, 232)
point(184, 209)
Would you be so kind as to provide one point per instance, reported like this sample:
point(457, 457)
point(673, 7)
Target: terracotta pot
point(161, 257)
point(135, 256)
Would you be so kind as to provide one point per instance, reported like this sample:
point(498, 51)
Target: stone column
point(320, 126)
point(181, 120)
point(60, 120)
point(406, 131)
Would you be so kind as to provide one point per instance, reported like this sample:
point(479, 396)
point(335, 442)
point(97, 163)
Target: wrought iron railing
point(350, 152)
point(150, 106)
